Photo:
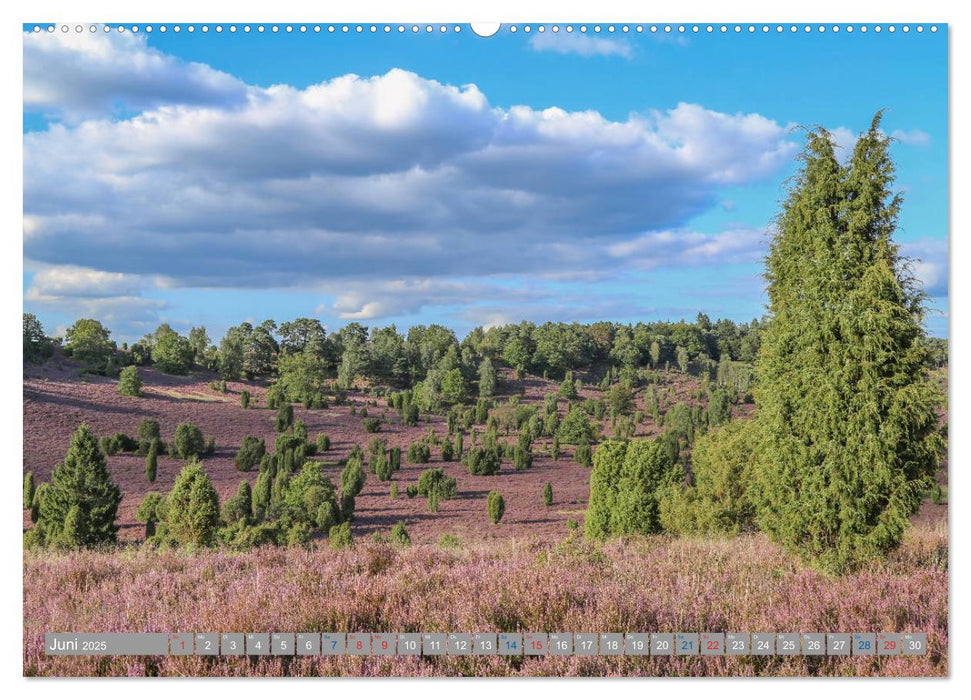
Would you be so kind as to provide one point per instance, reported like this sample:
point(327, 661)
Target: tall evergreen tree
point(850, 425)
point(487, 378)
point(192, 509)
point(80, 505)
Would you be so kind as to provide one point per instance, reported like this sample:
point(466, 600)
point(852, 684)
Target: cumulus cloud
point(569, 309)
point(73, 75)
point(929, 263)
point(379, 191)
point(845, 139)
point(132, 315)
point(369, 300)
point(115, 298)
point(690, 248)
point(70, 280)
point(579, 44)
point(914, 137)
point(393, 173)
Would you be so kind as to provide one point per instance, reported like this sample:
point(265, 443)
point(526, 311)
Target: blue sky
point(415, 178)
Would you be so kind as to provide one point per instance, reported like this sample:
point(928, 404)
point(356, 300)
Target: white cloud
point(369, 300)
point(845, 139)
point(391, 174)
point(929, 263)
point(70, 280)
point(112, 297)
point(132, 314)
point(689, 248)
point(352, 182)
point(73, 75)
point(579, 44)
point(914, 137)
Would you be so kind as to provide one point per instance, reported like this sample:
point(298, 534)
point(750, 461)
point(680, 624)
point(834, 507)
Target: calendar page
point(442, 349)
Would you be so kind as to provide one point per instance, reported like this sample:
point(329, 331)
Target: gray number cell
point(459, 644)
point(535, 644)
point(510, 644)
point(433, 644)
point(763, 643)
point(231, 644)
point(611, 644)
point(813, 644)
point(838, 644)
point(686, 643)
point(864, 644)
point(561, 644)
point(257, 644)
point(359, 643)
point(585, 644)
point(308, 644)
point(637, 644)
point(888, 644)
point(712, 643)
point(333, 644)
point(737, 644)
point(409, 644)
point(207, 644)
point(283, 643)
point(662, 644)
point(787, 644)
point(914, 644)
point(484, 643)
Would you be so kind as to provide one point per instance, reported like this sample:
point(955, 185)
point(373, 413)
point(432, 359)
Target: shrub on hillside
point(568, 388)
point(151, 461)
point(250, 453)
point(188, 441)
point(150, 511)
point(626, 483)
point(418, 453)
point(448, 452)
point(149, 430)
point(575, 428)
point(130, 382)
point(340, 536)
point(192, 510)
point(29, 489)
point(240, 506)
point(284, 417)
point(381, 466)
point(436, 481)
point(399, 535)
point(723, 469)
point(119, 442)
point(483, 461)
point(495, 506)
point(522, 459)
point(583, 455)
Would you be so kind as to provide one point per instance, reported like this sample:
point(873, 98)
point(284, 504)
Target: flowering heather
point(646, 585)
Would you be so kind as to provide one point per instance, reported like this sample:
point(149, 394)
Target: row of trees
point(382, 355)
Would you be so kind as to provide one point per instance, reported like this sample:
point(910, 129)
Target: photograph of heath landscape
point(403, 329)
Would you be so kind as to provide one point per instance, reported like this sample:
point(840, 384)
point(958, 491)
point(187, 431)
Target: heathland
point(783, 475)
